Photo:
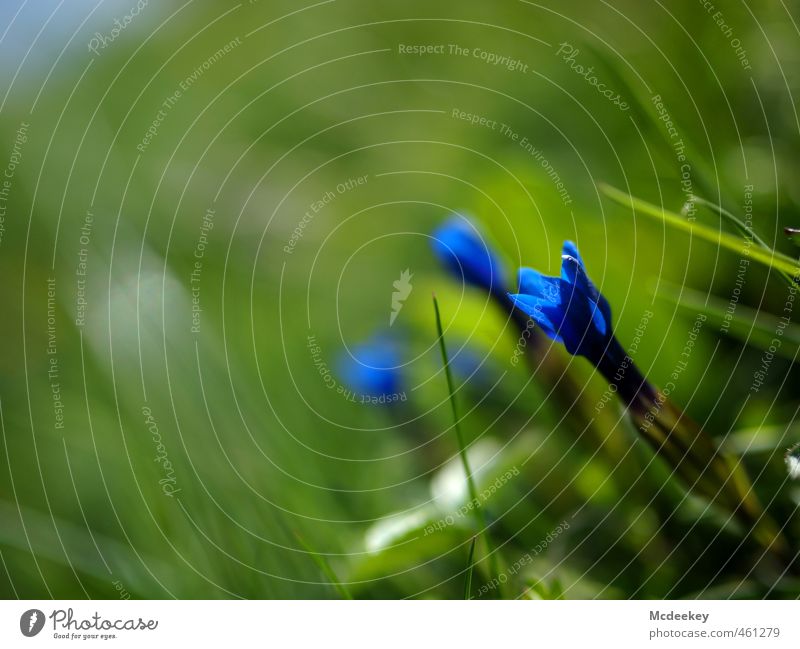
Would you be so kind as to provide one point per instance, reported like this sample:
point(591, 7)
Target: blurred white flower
point(793, 462)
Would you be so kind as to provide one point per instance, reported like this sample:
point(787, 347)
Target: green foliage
point(189, 461)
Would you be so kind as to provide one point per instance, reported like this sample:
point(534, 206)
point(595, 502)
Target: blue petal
point(584, 328)
point(571, 250)
point(462, 250)
point(573, 272)
point(605, 308)
point(569, 308)
point(472, 368)
point(578, 275)
point(532, 282)
point(542, 311)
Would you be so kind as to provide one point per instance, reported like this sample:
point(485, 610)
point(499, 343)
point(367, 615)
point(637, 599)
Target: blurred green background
point(202, 454)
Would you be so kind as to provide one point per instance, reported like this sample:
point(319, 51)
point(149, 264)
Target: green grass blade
point(470, 564)
point(750, 326)
point(79, 548)
point(480, 514)
point(462, 450)
point(744, 229)
point(644, 112)
point(326, 569)
point(760, 439)
point(731, 218)
point(775, 260)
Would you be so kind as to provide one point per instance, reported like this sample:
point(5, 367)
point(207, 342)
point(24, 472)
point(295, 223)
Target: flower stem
point(704, 469)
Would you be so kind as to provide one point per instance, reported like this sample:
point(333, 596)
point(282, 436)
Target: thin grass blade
point(779, 262)
point(480, 514)
point(470, 564)
point(743, 228)
point(750, 326)
point(326, 569)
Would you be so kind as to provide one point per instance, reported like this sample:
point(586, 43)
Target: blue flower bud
point(372, 369)
point(467, 256)
point(474, 370)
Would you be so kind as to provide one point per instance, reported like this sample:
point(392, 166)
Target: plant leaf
point(750, 326)
point(741, 226)
point(468, 582)
point(480, 514)
point(326, 569)
point(775, 260)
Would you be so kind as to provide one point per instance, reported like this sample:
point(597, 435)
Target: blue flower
point(462, 251)
point(569, 309)
point(372, 369)
point(474, 369)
